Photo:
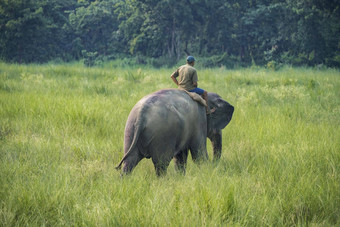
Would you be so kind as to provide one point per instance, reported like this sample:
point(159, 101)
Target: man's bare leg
point(205, 97)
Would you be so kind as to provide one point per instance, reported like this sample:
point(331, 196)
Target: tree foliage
point(297, 32)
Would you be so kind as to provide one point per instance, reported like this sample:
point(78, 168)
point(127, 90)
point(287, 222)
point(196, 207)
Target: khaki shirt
point(187, 75)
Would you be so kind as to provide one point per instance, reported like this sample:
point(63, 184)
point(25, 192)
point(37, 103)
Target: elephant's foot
point(180, 165)
point(180, 168)
point(181, 161)
point(161, 164)
point(217, 154)
point(161, 171)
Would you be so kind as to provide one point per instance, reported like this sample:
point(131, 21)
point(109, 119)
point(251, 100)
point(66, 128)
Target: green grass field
point(61, 135)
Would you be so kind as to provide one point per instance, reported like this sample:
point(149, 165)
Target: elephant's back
point(171, 109)
point(167, 96)
point(164, 105)
point(168, 118)
point(169, 102)
point(168, 115)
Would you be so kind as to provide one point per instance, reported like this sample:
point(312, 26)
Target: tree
point(299, 32)
point(315, 35)
point(31, 31)
point(91, 26)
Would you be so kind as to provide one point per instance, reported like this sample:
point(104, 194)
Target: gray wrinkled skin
point(167, 124)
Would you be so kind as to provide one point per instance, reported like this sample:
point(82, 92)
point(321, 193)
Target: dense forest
point(231, 32)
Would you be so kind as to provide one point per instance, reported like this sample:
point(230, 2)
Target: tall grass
point(61, 134)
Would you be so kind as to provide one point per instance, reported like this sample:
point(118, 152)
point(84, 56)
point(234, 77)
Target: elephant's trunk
point(216, 141)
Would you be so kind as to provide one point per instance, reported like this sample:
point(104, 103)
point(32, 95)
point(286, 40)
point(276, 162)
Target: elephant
point(166, 124)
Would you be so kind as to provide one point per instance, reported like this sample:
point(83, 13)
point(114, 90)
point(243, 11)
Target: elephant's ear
point(221, 117)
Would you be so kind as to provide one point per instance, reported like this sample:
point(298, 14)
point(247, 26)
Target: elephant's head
point(223, 113)
point(217, 121)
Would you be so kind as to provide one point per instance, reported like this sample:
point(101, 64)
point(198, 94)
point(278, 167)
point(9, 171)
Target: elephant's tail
point(137, 132)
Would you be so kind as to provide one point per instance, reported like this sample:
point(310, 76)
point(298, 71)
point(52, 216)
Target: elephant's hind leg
point(181, 161)
point(161, 165)
point(131, 161)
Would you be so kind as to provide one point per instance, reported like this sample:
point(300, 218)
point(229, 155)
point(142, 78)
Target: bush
point(91, 58)
point(273, 65)
point(226, 60)
point(163, 61)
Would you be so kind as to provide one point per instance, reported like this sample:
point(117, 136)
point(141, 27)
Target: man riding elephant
point(187, 80)
point(168, 123)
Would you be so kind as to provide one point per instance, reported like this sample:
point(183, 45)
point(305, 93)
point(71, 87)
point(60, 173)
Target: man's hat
point(190, 59)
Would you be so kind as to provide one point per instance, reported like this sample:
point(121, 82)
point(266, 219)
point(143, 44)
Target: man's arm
point(174, 79)
point(195, 79)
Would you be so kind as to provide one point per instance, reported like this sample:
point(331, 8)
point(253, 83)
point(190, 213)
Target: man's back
point(187, 80)
point(187, 76)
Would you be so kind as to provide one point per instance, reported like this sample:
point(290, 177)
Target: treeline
point(233, 32)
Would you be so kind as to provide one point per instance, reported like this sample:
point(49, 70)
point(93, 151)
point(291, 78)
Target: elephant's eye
point(219, 102)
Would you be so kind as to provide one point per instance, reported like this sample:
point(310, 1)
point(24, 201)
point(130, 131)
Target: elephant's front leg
point(181, 161)
point(216, 141)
